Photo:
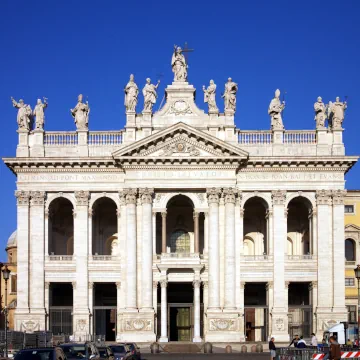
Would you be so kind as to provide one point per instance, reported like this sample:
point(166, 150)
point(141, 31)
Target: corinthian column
point(147, 248)
point(230, 285)
point(213, 195)
point(196, 232)
point(130, 201)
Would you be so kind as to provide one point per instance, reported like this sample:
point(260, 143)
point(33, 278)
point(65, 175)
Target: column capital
point(242, 285)
point(118, 285)
point(338, 197)
point(146, 195)
point(163, 283)
point(91, 285)
point(163, 214)
point(230, 195)
point(82, 197)
point(213, 195)
point(91, 212)
point(269, 213)
point(269, 285)
point(205, 284)
point(155, 284)
point(129, 195)
point(313, 285)
point(73, 283)
point(196, 214)
point(37, 198)
point(323, 197)
point(278, 197)
point(22, 197)
point(287, 283)
point(242, 212)
point(196, 284)
point(47, 285)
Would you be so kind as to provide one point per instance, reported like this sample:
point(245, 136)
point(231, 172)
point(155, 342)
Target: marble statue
point(81, 114)
point(179, 66)
point(131, 94)
point(23, 115)
point(210, 96)
point(320, 113)
point(150, 95)
point(276, 107)
point(229, 95)
point(336, 113)
point(39, 112)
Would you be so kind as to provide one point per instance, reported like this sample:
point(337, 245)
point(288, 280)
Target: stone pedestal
point(37, 146)
point(323, 142)
point(83, 149)
point(22, 149)
point(81, 325)
point(338, 145)
point(223, 326)
point(136, 327)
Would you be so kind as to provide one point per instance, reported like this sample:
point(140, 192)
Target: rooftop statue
point(320, 113)
point(179, 65)
point(336, 113)
point(150, 95)
point(39, 112)
point(229, 95)
point(23, 115)
point(210, 96)
point(131, 94)
point(81, 114)
point(276, 107)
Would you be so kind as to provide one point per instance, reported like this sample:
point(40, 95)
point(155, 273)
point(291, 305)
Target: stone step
point(190, 348)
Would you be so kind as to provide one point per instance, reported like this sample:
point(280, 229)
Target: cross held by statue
point(186, 50)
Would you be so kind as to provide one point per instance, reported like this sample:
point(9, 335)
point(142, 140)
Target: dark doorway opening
point(105, 299)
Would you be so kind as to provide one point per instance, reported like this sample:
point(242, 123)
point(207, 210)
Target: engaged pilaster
point(230, 269)
point(164, 336)
point(196, 286)
point(279, 313)
point(23, 199)
point(213, 195)
point(37, 251)
point(81, 293)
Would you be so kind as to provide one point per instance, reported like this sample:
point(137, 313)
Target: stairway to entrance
point(182, 347)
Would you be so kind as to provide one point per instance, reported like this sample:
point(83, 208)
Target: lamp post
point(357, 275)
point(6, 275)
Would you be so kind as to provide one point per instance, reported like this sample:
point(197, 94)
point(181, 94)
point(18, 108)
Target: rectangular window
point(349, 209)
point(349, 282)
point(13, 288)
point(351, 313)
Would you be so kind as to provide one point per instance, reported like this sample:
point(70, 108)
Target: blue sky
point(59, 49)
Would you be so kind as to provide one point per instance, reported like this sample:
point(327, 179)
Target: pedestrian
point(335, 351)
point(313, 341)
point(272, 348)
point(295, 340)
point(301, 343)
point(349, 343)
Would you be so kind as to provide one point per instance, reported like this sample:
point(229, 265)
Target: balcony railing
point(300, 137)
point(350, 263)
point(60, 257)
point(257, 257)
point(301, 257)
point(103, 257)
point(104, 138)
point(56, 138)
point(180, 255)
point(253, 137)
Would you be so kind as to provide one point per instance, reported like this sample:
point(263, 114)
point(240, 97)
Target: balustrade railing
point(103, 257)
point(350, 263)
point(103, 138)
point(301, 257)
point(257, 257)
point(180, 255)
point(60, 257)
point(300, 137)
point(254, 137)
point(66, 138)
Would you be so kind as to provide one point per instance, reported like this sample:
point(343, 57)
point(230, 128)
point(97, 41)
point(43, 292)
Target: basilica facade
point(180, 226)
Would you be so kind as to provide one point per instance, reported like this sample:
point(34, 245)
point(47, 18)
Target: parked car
point(122, 352)
point(135, 350)
point(75, 351)
point(55, 353)
point(106, 353)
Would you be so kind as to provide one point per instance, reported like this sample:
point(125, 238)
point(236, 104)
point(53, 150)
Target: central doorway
point(180, 322)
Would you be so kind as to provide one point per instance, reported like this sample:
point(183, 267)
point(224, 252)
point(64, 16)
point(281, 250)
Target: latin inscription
point(291, 176)
point(70, 177)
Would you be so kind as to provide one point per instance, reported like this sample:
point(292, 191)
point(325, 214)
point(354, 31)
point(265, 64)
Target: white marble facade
point(227, 175)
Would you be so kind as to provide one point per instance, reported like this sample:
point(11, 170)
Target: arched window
point(349, 250)
point(180, 241)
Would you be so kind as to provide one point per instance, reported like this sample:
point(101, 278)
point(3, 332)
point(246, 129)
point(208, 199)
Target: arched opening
point(61, 227)
point(298, 225)
point(104, 226)
point(350, 250)
point(255, 226)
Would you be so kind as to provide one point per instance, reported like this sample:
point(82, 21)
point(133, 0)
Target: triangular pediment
point(180, 141)
point(352, 227)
